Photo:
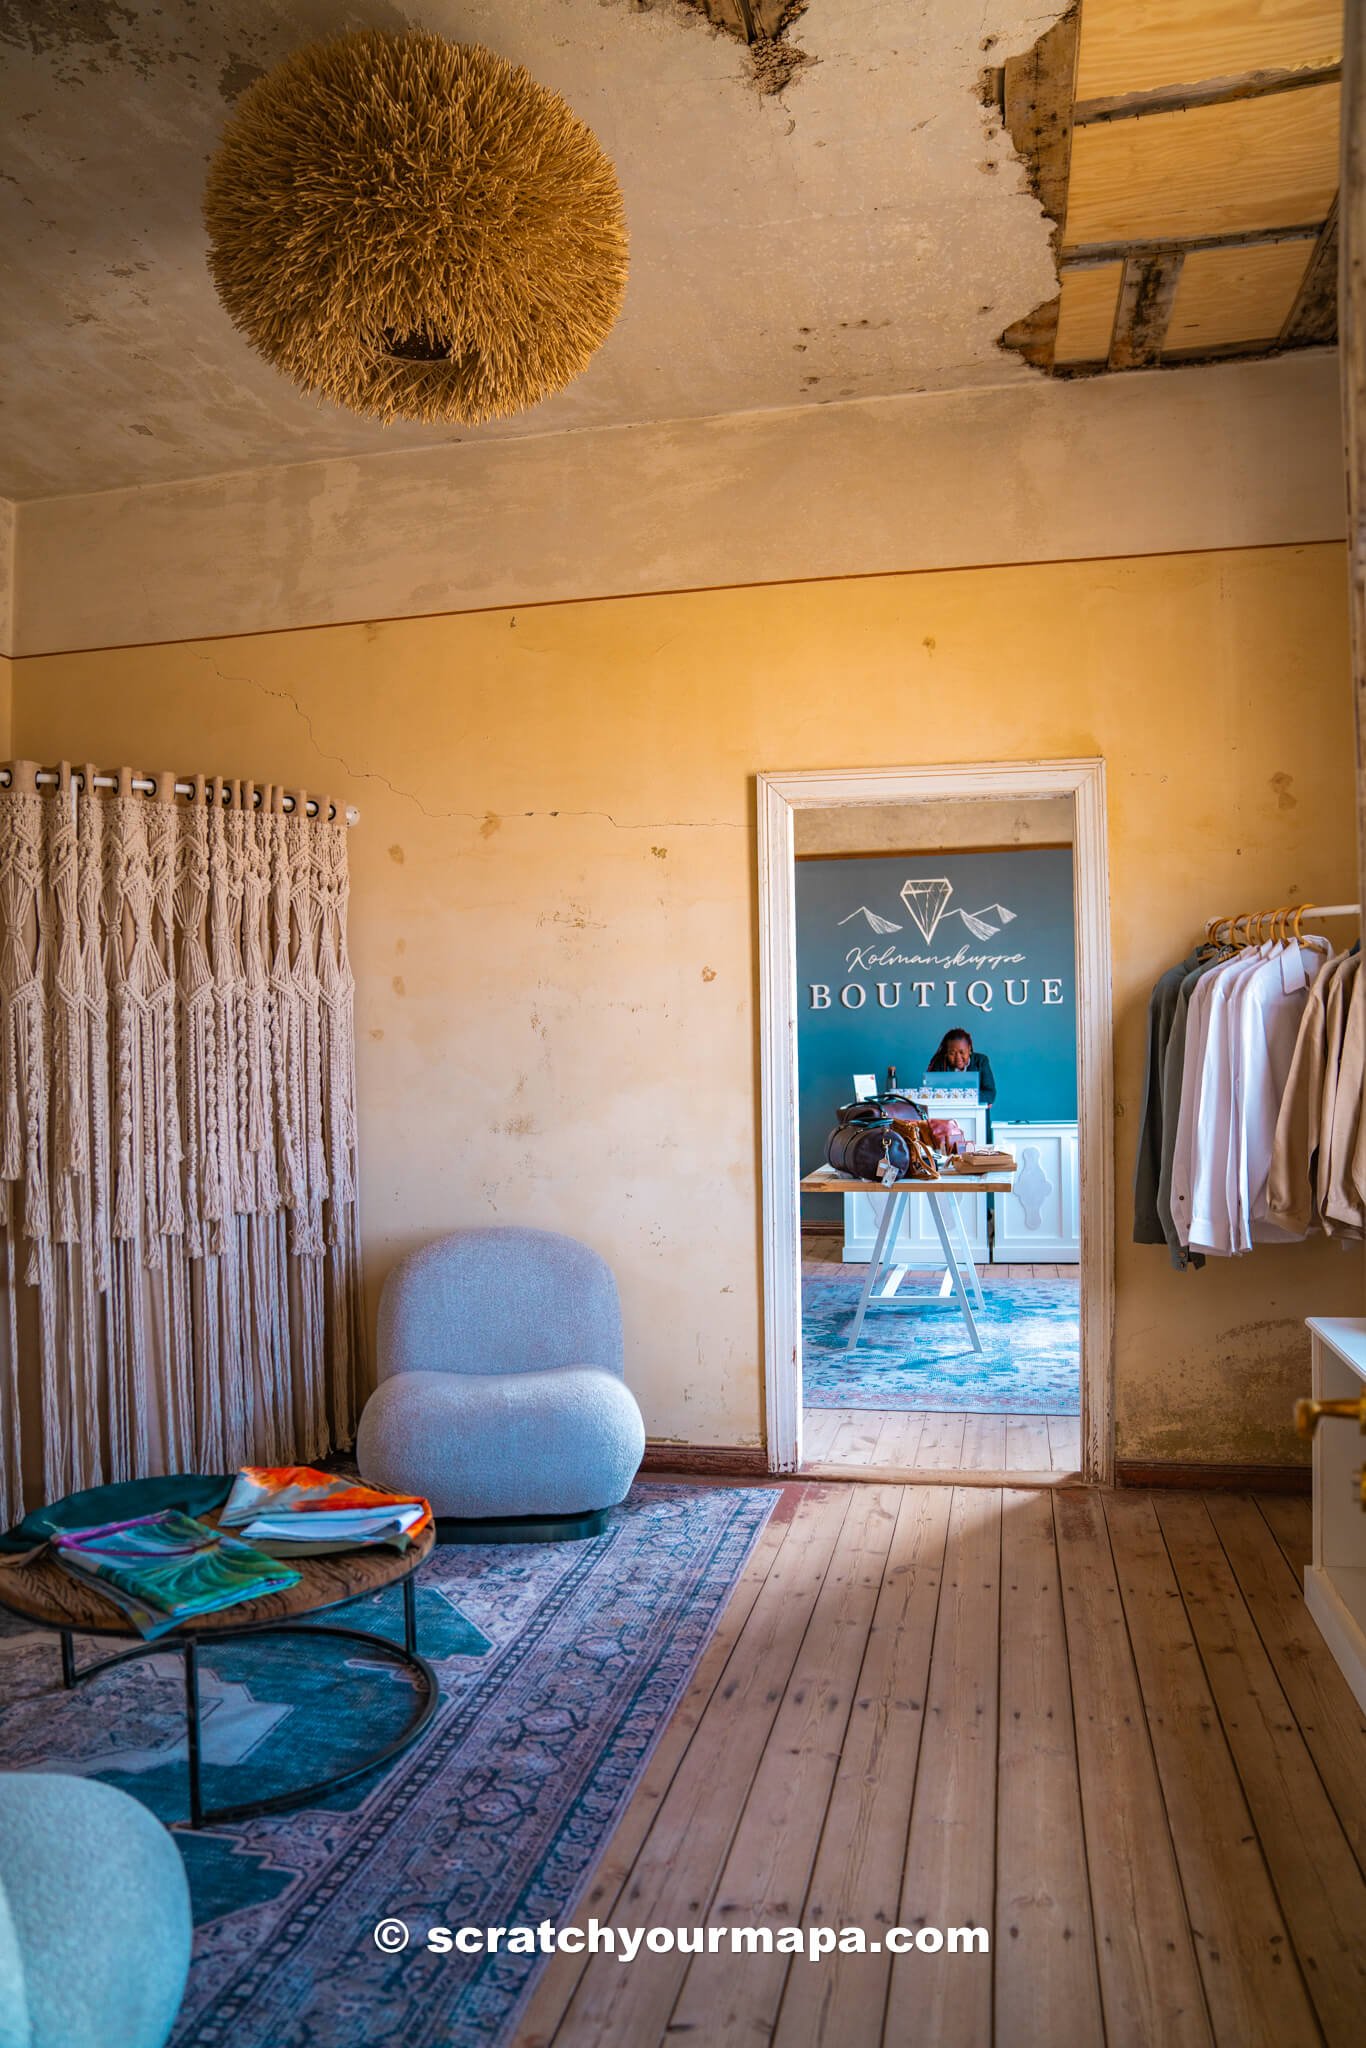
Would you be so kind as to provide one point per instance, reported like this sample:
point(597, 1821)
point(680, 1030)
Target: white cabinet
point(1335, 1583)
point(917, 1243)
point(1041, 1220)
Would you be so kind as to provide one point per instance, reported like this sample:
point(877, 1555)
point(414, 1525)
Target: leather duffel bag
point(862, 1149)
point(878, 1109)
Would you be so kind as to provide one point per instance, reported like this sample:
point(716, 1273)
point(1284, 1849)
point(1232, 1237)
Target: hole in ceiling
point(763, 26)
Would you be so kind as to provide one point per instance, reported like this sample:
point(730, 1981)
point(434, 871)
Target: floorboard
point(950, 1875)
point(1290, 1521)
point(1253, 1986)
point(1318, 1882)
point(1324, 1706)
point(862, 1854)
point(1149, 1980)
point(884, 1441)
point(1044, 1939)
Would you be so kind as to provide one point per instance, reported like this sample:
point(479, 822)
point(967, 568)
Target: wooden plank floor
point(883, 1440)
point(887, 1439)
point(1100, 1726)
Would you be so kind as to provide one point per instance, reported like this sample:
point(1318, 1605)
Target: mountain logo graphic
point(876, 922)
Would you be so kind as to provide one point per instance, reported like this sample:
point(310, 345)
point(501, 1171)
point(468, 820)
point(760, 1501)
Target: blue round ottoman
point(94, 1917)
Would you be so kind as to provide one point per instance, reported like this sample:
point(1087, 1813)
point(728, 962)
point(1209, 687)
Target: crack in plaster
point(479, 818)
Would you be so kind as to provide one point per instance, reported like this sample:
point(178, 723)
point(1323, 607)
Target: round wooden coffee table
point(36, 1587)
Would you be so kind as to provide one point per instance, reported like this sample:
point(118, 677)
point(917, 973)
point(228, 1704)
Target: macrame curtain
point(179, 1267)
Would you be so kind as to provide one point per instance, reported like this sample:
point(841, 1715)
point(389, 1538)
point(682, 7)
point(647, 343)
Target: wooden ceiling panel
point(1236, 167)
point(1139, 45)
point(1086, 316)
point(1226, 296)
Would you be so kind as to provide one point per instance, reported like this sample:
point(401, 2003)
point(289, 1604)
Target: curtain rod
point(147, 786)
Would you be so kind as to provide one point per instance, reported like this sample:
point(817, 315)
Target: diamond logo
point(926, 903)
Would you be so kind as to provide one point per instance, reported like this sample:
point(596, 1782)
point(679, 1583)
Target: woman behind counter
point(956, 1056)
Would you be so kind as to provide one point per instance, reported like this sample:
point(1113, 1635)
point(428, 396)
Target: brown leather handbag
point(921, 1163)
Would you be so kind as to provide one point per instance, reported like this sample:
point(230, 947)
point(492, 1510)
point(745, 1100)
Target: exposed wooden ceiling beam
point(1145, 307)
point(1036, 96)
point(1210, 92)
point(1087, 254)
point(1314, 315)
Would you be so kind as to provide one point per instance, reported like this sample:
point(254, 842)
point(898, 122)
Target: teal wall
point(869, 999)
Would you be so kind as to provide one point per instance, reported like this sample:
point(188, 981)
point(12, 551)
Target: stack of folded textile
point(295, 1511)
point(167, 1568)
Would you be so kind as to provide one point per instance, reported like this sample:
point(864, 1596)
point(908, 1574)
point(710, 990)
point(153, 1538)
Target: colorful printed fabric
point(165, 1569)
point(295, 1508)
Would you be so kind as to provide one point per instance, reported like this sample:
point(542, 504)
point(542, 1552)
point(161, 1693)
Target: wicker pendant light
point(415, 228)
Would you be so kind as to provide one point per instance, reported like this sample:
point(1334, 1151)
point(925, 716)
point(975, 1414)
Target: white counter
point(1335, 1583)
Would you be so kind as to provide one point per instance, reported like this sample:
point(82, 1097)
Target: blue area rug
point(921, 1357)
point(559, 1665)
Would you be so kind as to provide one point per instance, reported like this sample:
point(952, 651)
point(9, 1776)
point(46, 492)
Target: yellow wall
point(554, 896)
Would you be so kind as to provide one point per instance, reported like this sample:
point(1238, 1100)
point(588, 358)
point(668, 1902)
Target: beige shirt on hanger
point(1290, 1187)
point(1291, 1195)
point(1339, 1203)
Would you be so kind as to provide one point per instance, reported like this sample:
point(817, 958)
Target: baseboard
point(1215, 1478)
point(718, 1461)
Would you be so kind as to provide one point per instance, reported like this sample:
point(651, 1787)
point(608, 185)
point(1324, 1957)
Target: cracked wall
point(553, 917)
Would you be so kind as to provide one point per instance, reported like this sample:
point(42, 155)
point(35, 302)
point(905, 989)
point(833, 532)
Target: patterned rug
point(559, 1665)
point(921, 1357)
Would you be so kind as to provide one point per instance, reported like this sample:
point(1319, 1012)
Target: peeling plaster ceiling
point(865, 231)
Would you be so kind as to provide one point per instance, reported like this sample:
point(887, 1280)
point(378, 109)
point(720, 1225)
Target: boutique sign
point(893, 952)
point(981, 974)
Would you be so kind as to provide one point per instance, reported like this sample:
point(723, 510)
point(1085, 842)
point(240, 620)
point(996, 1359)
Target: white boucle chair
point(501, 1398)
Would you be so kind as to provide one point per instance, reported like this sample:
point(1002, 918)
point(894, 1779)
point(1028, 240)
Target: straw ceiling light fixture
point(415, 228)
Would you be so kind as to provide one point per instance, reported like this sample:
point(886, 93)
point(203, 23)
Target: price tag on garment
point(1293, 976)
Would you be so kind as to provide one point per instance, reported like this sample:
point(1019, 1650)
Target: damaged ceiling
point(1187, 151)
point(824, 201)
point(820, 208)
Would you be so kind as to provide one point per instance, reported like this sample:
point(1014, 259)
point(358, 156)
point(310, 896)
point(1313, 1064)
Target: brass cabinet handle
point(1308, 1414)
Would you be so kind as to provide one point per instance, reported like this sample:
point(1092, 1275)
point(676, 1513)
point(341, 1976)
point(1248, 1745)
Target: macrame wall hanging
point(415, 228)
point(179, 1249)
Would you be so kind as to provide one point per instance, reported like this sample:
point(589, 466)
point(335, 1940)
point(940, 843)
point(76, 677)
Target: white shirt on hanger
point(1263, 1022)
point(1210, 1224)
point(1269, 1012)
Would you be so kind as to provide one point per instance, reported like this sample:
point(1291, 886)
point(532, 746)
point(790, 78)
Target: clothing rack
point(146, 785)
point(1289, 911)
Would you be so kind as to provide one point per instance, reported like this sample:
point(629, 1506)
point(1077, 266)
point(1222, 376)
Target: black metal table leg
point(191, 1656)
point(375, 1646)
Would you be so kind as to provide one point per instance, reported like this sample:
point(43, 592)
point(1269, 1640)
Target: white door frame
point(779, 797)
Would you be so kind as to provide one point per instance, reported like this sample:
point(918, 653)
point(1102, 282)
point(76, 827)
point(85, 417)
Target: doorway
point(990, 1282)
